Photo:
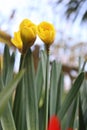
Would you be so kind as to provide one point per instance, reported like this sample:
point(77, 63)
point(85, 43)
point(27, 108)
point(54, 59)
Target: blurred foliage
point(75, 8)
point(5, 38)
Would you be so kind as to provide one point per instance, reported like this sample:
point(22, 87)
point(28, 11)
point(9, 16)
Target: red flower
point(54, 123)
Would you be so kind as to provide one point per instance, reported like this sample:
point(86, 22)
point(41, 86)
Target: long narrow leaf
point(60, 92)
point(19, 106)
point(31, 97)
point(7, 91)
point(70, 96)
point(81, 119)
point(42, 108)
point(6, 61)
point(7, 120)
point(39, 81)
point(55, 75)
point(10, 69)
point(71, 114)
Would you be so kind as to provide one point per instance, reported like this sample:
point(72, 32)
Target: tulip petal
point(54, 123)
point(16, 40)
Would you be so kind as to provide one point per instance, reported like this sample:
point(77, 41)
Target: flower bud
point(26, 36)
point(28, 32)
point(46, 32)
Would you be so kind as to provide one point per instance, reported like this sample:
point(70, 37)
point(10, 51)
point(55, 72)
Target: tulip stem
point(47, 89)
point(47, 49)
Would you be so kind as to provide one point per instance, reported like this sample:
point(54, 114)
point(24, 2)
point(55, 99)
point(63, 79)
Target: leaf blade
point(7, 91)
point(70, 96)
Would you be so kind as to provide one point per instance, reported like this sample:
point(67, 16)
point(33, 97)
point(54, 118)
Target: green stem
point(22, 61)
point(83, 66)
point(47, 90)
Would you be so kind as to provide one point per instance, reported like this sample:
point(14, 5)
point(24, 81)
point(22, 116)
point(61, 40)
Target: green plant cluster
point(29, 99)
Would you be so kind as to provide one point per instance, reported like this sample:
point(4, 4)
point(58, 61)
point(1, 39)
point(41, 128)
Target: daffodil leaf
point(81, 119)
point(6, 61)
point(43, 61)
point(42, 103)
point(42, 113)
point(83, 94)
point(31, 102)
point(71, 114)
point(25, 108)
point(71, 95)
point(60, 92)
point(85, 117)
point(39, 81)
point(8, 65)
point(54, 80)
point(19, 106)
point(10, 72)
point(7, 120)
point(7, 91)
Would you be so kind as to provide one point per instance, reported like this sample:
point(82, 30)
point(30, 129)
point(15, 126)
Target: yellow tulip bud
point(46, 32)
point(26, 36)
point(28, 32)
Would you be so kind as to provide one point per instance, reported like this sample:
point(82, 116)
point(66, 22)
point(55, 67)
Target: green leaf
point(31, 97)
point(60, 92)
point(83, 93)
point(81, 119)
point(40, 76)
point(71, 114)
point(7, 91)
point(85, 117)
point(19, 106)
point(54, 80)
point(39, 81)
point(7, 120)
point(42, 111)
point(71, 95)
point(42, 103)
point(43, 61)
point(6, 61)
point(8, 65)
point(43, 66)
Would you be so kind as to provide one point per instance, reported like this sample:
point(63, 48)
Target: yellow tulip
point(16, 40)
point(28, 32)
point(46, 32)
point(26, 36)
